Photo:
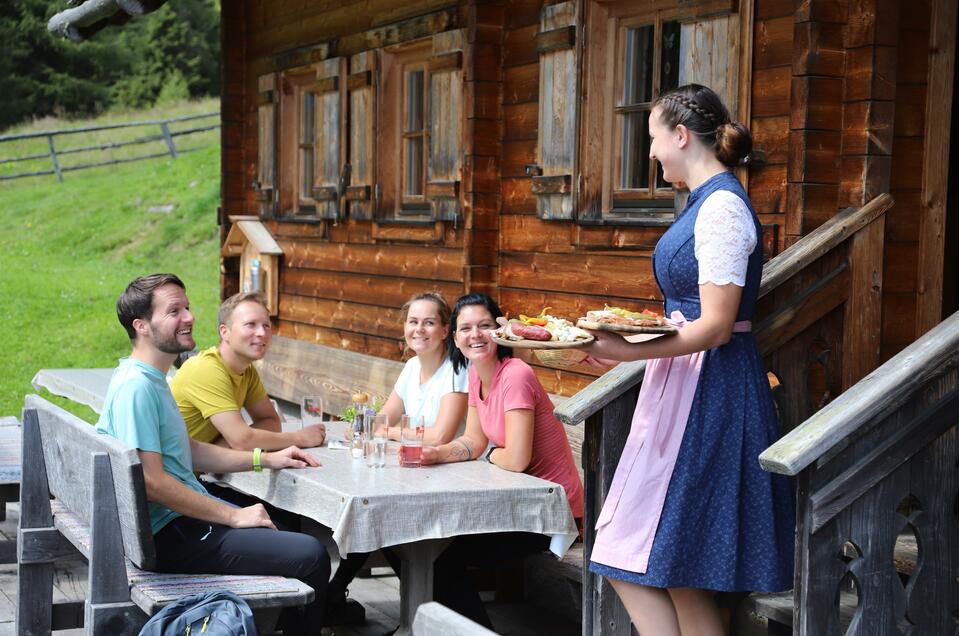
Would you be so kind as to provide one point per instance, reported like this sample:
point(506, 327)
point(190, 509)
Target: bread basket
point(561, 357)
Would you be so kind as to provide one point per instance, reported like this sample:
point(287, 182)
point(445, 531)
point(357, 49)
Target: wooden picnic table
point(86, 386)
point(417, 510)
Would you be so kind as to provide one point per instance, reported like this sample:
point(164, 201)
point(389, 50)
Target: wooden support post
point(53, 158)
point(416, 587)
point(169, 139)
point(34, 580)
point(109, 609)
point(862, 320)
point(606, 434)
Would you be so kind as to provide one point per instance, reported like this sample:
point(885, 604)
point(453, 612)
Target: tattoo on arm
point(461, 454)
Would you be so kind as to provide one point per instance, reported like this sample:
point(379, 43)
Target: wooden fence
point(167, 137)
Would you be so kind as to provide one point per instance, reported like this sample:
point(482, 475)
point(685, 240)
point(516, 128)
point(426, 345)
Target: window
point(312, 147)
point(635, 54)
point(419, 138)
point(648, 61)
point(415, 139)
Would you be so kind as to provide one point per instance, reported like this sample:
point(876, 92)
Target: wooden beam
point(821, 240)
point(880, 394)
point(935, 163)
point(557, 184)
point(862, 318)
point(561, 38)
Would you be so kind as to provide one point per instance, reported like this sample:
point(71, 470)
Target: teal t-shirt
point(140, 411)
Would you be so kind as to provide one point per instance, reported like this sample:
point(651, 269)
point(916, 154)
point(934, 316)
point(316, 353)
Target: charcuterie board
point(497, 337)
point(602, 326)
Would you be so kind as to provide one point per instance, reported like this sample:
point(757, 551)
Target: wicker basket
point(561, 357)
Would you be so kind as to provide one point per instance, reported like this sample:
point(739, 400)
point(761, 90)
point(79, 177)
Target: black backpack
point(209, 614)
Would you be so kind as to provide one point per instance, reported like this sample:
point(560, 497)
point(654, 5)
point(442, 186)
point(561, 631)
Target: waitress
point(689, 511)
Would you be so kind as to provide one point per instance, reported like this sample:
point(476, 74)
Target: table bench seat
point(152, 590)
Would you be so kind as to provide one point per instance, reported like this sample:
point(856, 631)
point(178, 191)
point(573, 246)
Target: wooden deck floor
point(379, 594)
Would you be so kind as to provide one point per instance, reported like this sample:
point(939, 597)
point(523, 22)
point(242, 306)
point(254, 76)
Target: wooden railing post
point(606, 433)
point(862, 318)
point(53, 158)
point(165, 128)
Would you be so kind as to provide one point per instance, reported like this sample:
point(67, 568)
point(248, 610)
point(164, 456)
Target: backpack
point(210, 614)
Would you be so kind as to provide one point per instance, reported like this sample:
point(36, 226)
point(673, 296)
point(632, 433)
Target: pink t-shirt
point(515, 386)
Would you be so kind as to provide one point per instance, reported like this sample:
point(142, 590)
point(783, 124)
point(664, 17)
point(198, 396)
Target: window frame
point(294, 205)
point(393, 204)
point(601, 200)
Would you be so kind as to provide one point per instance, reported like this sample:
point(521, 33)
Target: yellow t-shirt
point(205, 386)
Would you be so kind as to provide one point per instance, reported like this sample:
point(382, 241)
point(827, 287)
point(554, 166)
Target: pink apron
point(627, 525)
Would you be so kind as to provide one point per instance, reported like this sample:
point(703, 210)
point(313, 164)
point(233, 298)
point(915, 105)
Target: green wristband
point(257, 466)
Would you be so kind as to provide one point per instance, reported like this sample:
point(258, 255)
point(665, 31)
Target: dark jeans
point(187, 545)
point(286, 520)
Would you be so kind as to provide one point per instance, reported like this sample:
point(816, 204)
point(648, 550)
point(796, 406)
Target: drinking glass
point(376, 441)
point(411, 441)
point(311, 410)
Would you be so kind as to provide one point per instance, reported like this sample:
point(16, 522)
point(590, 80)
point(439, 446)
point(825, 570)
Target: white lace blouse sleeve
point(725, 237)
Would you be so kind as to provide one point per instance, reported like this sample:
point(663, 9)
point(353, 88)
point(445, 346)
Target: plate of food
point(625, 321)
point(540, 332)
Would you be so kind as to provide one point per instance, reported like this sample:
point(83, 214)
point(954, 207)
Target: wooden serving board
point(539, 344)
point(602, 326)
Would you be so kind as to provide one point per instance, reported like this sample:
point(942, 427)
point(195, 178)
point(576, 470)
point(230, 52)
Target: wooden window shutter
point(329, 145)
point(445, 164)
point(709, 55)
point(552, 178)
point(362, 167)
point(264, 185)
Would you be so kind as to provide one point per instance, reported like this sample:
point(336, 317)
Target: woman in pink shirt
point(510, 424)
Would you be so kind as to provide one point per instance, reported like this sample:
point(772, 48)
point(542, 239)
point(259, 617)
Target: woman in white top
point(428, 386)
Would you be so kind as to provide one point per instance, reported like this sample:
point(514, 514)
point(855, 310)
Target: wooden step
point(778, 609)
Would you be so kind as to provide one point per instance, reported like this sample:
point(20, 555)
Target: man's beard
point(172, 345)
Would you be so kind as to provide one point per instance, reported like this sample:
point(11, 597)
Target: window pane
point(309, 114)
point(414, 101)
point(660, 181)
point(306, 172)
point(670, 55)
point(414, 166)
point(634, 170)
point(638, 67)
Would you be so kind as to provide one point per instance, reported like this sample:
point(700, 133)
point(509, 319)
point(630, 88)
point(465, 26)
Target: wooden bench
point(9, 478)
point(433, 619)
point(85, 472)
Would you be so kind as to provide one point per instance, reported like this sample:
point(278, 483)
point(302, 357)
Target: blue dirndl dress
point(725, 524)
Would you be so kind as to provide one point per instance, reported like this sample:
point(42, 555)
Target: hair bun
point(733, 143)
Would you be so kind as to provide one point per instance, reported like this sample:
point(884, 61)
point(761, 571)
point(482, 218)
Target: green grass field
point(69, 249)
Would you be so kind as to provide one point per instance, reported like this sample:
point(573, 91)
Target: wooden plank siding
point(835, 96)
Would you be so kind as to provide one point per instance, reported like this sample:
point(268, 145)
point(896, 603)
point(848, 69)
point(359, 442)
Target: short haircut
point(136, 301)
point(442, 307)
point(456, 356)
point(228, 306)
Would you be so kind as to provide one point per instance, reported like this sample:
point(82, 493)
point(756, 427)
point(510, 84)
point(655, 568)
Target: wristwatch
point(488, 456)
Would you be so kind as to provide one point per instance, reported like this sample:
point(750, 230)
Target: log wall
point(837, 103)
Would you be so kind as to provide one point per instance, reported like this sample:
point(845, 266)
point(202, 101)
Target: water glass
point(411, 441)
point(376, 442)
point(311, 410)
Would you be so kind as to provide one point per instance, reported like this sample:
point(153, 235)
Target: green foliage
point(69, 249)
point(172, 52)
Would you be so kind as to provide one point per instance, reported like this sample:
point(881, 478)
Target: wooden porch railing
point(836, 267)
point(877, 490)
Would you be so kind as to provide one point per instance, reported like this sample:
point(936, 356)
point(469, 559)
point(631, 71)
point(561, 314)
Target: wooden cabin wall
point(837, 110)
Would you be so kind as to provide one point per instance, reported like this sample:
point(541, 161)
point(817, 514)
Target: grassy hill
point(68, 250)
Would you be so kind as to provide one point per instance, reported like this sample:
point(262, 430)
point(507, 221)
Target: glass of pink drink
point(411, 440)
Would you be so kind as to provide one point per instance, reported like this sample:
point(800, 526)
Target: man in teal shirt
point(194, 532)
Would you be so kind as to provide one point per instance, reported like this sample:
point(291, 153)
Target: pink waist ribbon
point(630, 517)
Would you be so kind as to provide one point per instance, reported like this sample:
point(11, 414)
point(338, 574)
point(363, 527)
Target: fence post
point(169, 139)
point(53, 158)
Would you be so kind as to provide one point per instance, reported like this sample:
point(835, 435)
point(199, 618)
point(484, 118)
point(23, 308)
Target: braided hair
point(702, 112)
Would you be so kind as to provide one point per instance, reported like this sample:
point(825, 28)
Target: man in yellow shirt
point(211, 388)
point(214, 385)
